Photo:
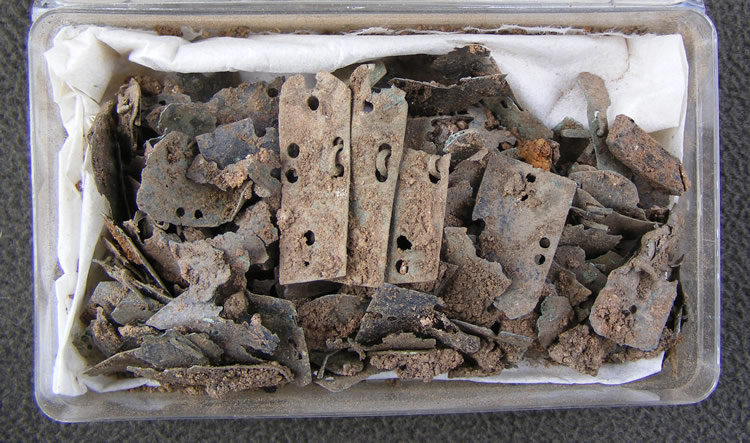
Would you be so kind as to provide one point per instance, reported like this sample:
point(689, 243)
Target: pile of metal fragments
point(404, 215)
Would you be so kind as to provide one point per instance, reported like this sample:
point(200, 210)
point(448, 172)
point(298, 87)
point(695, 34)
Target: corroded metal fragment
point(524, 212)
point(315, 157)
point(418, 217)
point(430, 98)
point(106, 161)
point(472, 289)
point(609, 188)
point(280, 317)
point(556, 314)
point(129, 114)
point(395, 309)
point(330, 317)
point(579, 349)
point(257, 101)
point(613, 222)
point(510, 115)
point(594, 241)
point(633, 307)
point(190, 119)
point(378, 125)
point(233, 142)
point(646, 157)
point(221, 380)
point(167, 195)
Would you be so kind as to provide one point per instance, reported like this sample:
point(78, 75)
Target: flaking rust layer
point(315, 176)
point(378, 127)
point(524, 210)
point(418, 217)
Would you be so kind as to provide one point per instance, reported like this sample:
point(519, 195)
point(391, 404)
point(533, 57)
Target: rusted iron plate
point(646, 157)
point(418, 217)
point(524, 211)
point(378, 126)
point(167, 195)
point(315, 157)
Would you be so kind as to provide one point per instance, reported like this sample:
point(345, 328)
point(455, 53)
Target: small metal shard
point(301, 291)
point(280, 317)
point(169, 350)
point(573, 259)
point(646, 157)
point(116, 363)
point(337, 363)
point(315, 156)
point(418, 217)
point(583, 199)
point(106, 295)
point(258, 101)
point(524, 212)
point(429, 98)
point(459, 204)
point(341, 383)
point(167, 195)
point(330, 317)
point(633, 307)
point(221, 380)
point(567, 285)
point(464, 144)
point(470, 292)
point(573, 138)
point(472, 60)
point(556, 314)
point(395, 309)
point(424, 365)
point(134, 308)
point(609, 188)
point(233, 142)
point(106, 161)
point(597, 99)
point(608, 261)
point(402, 341)
point(510, 115)
point(377, 131)
point(470, 170)
point(594, 241)
point(615, 223)
point(103, 334)
point(126, 278)
point(191, 119)
point(418, 134)
point(129, 114)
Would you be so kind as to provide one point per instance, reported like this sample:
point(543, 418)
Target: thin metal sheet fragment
point(594, 241)
point(106, 161)
point(509, 113)
point(188, 118)
point(233, 142)
point(258, 101)
point(524, 211)
point(280, 317)
point(646, 157)
point(418, 218)
point(167, 195)
point(314, 130)
point(378, 126)
point(429, 98)
point(609, 188)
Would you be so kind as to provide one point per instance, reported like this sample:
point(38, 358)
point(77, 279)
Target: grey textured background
point(723, 416)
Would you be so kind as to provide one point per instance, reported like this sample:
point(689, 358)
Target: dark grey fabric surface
point(723, 416)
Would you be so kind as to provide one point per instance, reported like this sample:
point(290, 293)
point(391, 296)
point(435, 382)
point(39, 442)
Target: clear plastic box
point(696, 369)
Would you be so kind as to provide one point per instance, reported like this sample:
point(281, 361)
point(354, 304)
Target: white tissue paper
point(646, 77)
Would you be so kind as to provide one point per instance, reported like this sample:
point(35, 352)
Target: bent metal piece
point(418, 217)
point(315, 160)
point(524, 210)
point(378, 126)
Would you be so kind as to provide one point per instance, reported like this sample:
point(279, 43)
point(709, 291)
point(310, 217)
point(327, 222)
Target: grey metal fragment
point(430, 98)
point(337, 363)
point(418, 218)
point(103, 334)
point(395, 309)
point(583, 199)
point(402, 341)
point(524, 211)
point(616, 223)
point(377, 131)
point(132, 335)
point(134, 308)
point(191, 119)
point(315, 155)
point(609, 188)
point(221, 380)
point(280, 317)
point(470, 170)
point(106, 161)
point(126, 278)
point(107, 295)
point(258, 101)
point(483, 121)
point(608, 261)
point(510, 115)
point(573, 138)
point(116, 363)
point(156, 247)
point(330, 317)
point(233, 142)
point(597, 99)
point(556, 314)
point(633, 307)
point(573, 258)
point(593, 241)
point(342, 383)
point(169, 350)
point(464, 144)
point(207, 346)
point(567, 285)
point(459, 204)
point(508, 338)
point(129, 114)
point(299, 291)
point(167, 195)
point(646, 157)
